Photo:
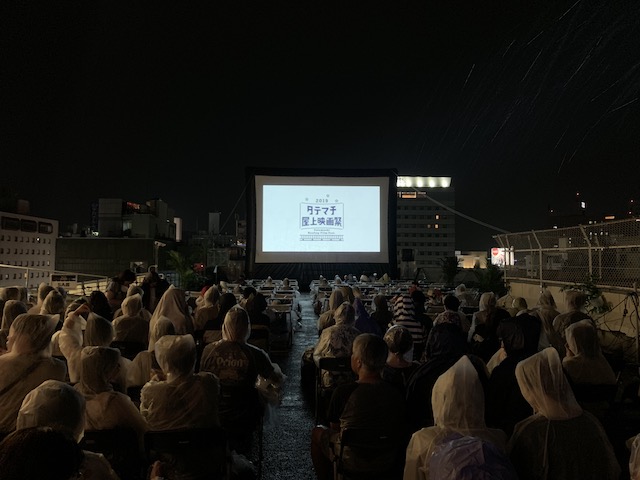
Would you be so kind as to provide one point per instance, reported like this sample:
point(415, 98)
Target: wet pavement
point(286, 445)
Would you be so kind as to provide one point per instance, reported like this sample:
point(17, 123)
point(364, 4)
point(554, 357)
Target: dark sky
point(522, 103)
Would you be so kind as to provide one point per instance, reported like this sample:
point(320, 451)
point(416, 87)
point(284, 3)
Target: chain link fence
point(606, 253)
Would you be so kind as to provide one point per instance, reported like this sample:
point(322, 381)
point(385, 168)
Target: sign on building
point(65, 281)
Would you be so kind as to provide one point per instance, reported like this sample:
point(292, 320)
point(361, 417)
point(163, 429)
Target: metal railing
point(606, 253)
point(84, 284)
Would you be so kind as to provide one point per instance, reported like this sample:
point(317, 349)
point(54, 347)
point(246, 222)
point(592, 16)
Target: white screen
point(321, 219)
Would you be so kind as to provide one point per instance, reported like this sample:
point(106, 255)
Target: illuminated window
point(437, 216)
point(436, 226)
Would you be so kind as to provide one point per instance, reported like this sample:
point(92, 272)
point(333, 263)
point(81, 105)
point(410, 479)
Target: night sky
point(522, 103)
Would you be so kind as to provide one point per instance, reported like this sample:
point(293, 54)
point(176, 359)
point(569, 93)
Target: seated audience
point(173, 305)
point(117, 288)
point(445, 345)
point(404, 314)
point(351, 407)
point(131, 291)
point(547, 311)
point(179, 398)
point(59, 456)
point(54, 306)
point(458, 407)
point(336, 341)
point(326, 318)
point(208, 308)
point(12, 308)
point(100, 305)
point(256, 307)
point(452, 314)
point(237, 364)
point(560, 440)
point(105, 408)
point(400, 364)
point(27, 364)
point(43, 290)
point(505, 405)
point(364, 323)
point(466, 299)
point(482, 336)
point(382, 315)
point(575, 301)
point(131, 326)
point(58, 405)
point(145, 365)
point(518, 305)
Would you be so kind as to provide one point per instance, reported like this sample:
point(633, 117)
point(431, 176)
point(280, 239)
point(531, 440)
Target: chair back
point(369, 453)
point(260, 337)
point(323, 393)
point(120, 446)
point(192, 452)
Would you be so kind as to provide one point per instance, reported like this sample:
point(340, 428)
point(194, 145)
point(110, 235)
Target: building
point(123, 234)
point(425, 225)
point(27, 249)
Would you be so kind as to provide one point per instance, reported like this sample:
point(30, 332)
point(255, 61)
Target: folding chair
point(369, 454)
point(194, 452)
point(260, 337)
point(323, 393)
point(120, 447)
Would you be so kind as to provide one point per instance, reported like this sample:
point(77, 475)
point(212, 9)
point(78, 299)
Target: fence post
point(586, 238)
point(540, 255)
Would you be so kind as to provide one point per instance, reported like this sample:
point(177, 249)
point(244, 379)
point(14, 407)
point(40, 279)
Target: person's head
point(582, 339)
point(53, 304)
point(54, 404)
point(211, 296)
point(236, 326)
point(132, 305)
point(488, 301)
point(12, 308)
point(31, 334)
point(446, 340)
point(99, 331)
point(398, 339)
point(99, 301)
point(345, 314)
point(335, 299)
point(176, 355)
point(43, 290)
point(462, 288)
point(347, 293)
point(368, 352)
point(545, 387)
point(59, 457)
point(511, 336)
point(127, 277)
point(285, 283)
point(135, 290)
point(256, 303)
point(451, 302)
point(99, 366)
point(163, 326)
point(519, 304)
point(73, 306)
point(546, 300)
point(457, 397)
point(248, 291)
point(575, 300)
point(380, 301)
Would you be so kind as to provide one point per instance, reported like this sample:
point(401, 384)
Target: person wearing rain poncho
point(58, 405)
point(43, 290)
point(27, 364)
point(131, 291)
point(238, 365)
point(131, 326)
point(559, 441)
point(182, 399)
point(107, 409)
point(98, 332)
point(141, 369)
point(326, 319)
point(173, 305)
point(12, 308)
point(458, 408)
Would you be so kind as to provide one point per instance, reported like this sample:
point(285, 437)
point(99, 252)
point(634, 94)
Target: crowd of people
point(61, 369)
point(461, 385)
point(501, 388)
